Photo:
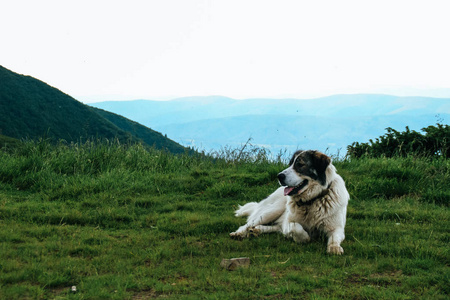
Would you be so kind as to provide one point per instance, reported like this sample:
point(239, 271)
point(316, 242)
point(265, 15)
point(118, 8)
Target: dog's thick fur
point(312, 197)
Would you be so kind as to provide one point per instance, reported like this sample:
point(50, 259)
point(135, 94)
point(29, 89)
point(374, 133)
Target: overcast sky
point(113, 50)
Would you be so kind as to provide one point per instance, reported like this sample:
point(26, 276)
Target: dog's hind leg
point(256, 221)
point(265, 212)
point(246, 210)
point(260, 229)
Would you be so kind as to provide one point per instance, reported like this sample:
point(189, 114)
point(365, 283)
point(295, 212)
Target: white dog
point(312, 197)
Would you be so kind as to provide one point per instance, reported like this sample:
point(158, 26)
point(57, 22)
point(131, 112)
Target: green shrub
point(435, 142)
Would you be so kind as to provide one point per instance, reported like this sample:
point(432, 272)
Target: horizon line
point(126, 98)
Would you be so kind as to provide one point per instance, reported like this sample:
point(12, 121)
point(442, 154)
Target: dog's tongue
point(288, 189)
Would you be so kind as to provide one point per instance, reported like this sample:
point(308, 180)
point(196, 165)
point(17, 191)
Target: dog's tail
point(246, 210)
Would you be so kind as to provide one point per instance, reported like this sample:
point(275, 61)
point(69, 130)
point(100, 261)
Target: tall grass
point(424, 178)
point(128, 222)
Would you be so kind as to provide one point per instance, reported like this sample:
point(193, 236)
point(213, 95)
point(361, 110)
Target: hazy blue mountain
point(325, 123)
point(278, 132)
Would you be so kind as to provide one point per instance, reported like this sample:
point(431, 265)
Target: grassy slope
point(124, 222)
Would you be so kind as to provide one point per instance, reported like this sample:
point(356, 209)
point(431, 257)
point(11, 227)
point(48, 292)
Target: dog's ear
point(321, 163)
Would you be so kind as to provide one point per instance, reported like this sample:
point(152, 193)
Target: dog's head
point(305, 168)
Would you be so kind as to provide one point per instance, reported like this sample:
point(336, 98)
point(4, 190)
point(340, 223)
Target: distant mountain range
point(29, 108)
point(328, 124)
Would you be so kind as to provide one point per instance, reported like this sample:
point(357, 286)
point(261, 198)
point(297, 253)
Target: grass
point(126, 222)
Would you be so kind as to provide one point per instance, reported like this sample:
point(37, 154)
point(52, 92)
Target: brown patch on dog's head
point(319, 162)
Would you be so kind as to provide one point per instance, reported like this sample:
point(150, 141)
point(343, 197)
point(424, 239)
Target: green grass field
point(125, 222)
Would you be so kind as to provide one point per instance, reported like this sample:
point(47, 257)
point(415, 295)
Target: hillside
point(30, 108)
point(6, 141)
point(148, 136)
point(329, 123)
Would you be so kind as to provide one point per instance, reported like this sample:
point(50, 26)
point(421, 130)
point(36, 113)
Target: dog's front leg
point(296, 232)
point(335, 239)
point(293, 229)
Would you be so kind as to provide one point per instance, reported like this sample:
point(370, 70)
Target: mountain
point(142, 133)
point(6, 141)
point(280, 132)
point(327, 124)
point(185, 110)
point(30, 108)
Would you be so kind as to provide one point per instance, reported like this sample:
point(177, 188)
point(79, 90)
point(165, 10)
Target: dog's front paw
point(335, 249)
point(302, 237)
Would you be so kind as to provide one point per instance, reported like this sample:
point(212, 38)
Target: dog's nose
point(281, 178)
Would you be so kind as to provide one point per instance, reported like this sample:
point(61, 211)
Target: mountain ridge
point(372, 104)
point(30, 108)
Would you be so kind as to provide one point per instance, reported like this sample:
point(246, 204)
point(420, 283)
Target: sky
point(99, 50)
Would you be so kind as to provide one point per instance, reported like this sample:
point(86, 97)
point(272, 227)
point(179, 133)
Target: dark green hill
point(30, 108)
point(6, 141)
point(145, 134)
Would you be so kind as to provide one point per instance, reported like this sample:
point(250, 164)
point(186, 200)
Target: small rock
point(234, 263)
point(74, 289)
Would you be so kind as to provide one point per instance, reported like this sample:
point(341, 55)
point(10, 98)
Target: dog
point(312, 198)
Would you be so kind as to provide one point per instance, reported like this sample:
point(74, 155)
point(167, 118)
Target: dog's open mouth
point(293, 190)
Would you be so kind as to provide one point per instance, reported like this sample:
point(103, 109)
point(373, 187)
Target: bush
point(435, 142)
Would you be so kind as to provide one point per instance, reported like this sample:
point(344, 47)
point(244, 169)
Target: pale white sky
point(113, 50)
